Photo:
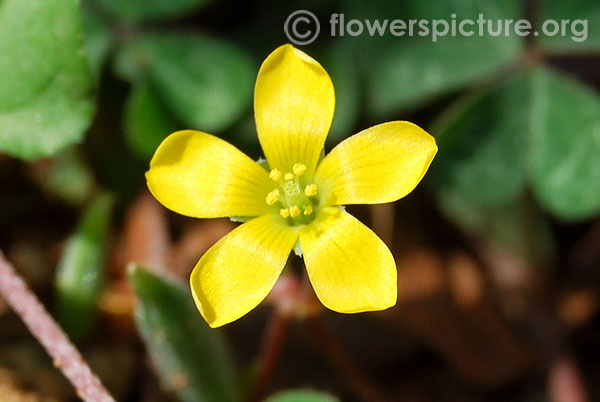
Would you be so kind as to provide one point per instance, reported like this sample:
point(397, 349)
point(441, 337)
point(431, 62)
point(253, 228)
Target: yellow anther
point(284, 212)
point(273, 197)
point(308, 210)
point(310, 190)
point(288, 176)
point(275, 175)
point(294, 211)
point(299, 169)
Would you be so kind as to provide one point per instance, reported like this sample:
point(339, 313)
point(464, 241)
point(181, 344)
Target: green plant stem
point(65, 356)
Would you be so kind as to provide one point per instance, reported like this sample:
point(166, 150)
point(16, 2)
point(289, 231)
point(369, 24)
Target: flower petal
point(200, 175)
point(380, 164)
point(349, 267)
point(238, 272)
point(293, 107)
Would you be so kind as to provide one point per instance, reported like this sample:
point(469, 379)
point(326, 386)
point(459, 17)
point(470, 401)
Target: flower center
point(296, 199)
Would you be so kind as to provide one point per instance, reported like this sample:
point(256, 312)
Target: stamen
point(294, 211)
point(308, 210)
point(310, 190)
point(299, 169)
point(273, 197)
point(275, 175)
point(288, 176)
point(284, 212)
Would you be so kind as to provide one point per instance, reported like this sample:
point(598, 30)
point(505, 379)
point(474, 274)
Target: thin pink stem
point(50, 335)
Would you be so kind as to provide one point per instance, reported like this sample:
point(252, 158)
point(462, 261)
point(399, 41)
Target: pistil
point(296, 203)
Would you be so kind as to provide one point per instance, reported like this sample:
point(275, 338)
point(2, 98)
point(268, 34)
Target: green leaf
point(69, 178)
point(516, 226)
point(302, 396)
point(480, 171)
point(404, 71)
point(80, 273)
point(565, 145)
point(192, 359)
point(146, 122)
point(205, 82)
point(46, 92)
point(343, 69)
point(148, 10)
point(539, 127)
point(482, 145)
point(97, 39)
point(576, 36)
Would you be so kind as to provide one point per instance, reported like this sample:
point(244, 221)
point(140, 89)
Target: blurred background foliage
point(498, 251)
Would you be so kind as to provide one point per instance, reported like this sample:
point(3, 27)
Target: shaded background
point(498, 250)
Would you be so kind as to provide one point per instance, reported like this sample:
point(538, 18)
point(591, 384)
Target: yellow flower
point(295, 203)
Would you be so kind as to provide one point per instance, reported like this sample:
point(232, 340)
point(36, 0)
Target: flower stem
point(50, 335)
point(271, 350)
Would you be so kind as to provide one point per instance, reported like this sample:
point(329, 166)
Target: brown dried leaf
point(382, 218)
point(465, 280)
point(11, 390)
point(196, 239)
point(117, 303)
point(477, 342)
point(577, 307)
point(146, 239)
point(420, 275)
